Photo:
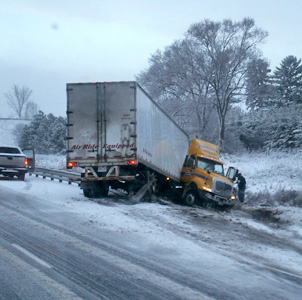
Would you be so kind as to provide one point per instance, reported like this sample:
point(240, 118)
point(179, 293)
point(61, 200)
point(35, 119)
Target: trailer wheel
point(87, 193)
point(21, 176)
point(103, 189)
point(95, 189)
point(190, 197)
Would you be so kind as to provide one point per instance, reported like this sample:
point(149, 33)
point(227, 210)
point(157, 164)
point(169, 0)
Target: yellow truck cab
point(203, 176)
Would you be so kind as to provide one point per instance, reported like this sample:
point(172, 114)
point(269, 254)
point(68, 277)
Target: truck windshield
point(210, 165)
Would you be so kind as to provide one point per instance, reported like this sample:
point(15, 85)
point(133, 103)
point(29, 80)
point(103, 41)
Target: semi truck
point(122, 139)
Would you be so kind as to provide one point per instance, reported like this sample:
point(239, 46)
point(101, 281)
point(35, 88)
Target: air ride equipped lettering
point(106, 146)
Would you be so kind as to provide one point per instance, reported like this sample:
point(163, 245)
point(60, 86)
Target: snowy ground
point(269, 172)
point(270, 179)
point(265, 174)
point(263, 232)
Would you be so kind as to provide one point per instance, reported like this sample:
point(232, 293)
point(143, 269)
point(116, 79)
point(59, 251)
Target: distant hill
point(9, 130)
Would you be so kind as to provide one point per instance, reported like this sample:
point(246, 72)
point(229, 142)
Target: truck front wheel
point(190, 198)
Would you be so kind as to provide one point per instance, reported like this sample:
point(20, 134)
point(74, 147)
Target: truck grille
point(223, 188)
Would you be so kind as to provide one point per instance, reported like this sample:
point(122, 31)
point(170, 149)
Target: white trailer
point(122, 138)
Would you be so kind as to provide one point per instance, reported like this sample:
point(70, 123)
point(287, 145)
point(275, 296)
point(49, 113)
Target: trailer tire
point(87, 193)
point(91, 193)
point(103, 189)
point(190, 197)
point(21, 176)
point(95, 189)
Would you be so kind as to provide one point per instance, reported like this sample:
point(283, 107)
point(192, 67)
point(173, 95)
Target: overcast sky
point(46, 44)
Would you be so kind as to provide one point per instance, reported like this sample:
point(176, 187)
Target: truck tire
point(96, 190)
point(87, 193)
point(92, 193)
point(190, 198)
point(21, 176)
point(103, 189)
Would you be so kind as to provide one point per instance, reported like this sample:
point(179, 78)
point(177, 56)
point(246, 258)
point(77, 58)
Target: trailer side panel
point(161, 144)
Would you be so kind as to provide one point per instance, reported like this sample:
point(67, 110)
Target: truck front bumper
point(220, 200)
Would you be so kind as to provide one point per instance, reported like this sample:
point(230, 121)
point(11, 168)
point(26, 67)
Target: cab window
point(190, 162)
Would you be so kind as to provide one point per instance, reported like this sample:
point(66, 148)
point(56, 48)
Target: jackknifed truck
point(122, 139)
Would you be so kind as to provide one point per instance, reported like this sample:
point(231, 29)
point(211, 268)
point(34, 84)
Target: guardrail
point(55, 174)
point(71, 176)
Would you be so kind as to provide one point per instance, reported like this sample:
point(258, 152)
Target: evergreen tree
point(46, 134)
point(277, 128)
point(259, 87)
point(288, 80)
point(255, 131)
point(285, 125)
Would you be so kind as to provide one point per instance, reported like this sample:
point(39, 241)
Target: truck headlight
point(207, 189)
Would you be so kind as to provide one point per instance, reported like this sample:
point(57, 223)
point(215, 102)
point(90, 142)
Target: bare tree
point(31, 109)
point(202, 72)
point(174, 80)
point(226, 49)
point(18, 98)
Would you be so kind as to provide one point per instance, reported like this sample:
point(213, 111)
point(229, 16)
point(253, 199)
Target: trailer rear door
point(101, 123)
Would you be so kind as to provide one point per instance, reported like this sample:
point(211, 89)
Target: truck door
point(82, 123)
point(117, 122)
point(231, 173)
point(30, 154)
point(188, 168)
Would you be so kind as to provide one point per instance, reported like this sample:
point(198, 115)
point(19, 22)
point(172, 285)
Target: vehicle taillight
point(26, 162)
point(131, 162)
point(71, 164)
point(101, 82)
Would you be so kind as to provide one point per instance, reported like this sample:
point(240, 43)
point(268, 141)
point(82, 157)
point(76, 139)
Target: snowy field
point(269, 172)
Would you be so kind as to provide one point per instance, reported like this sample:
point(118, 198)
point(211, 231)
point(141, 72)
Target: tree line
point(274, 100)
point(202, 79)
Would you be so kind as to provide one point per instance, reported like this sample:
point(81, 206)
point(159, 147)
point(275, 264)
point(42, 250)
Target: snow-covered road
point(164, 251)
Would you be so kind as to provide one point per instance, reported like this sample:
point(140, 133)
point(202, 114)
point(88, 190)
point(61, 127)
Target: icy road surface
point(57, 244)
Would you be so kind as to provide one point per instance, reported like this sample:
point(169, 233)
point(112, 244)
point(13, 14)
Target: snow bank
point(51, 161)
